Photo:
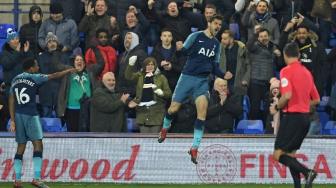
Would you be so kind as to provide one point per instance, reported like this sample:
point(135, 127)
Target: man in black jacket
point(132, 48)
point(312, 52)
point(29, 31)
point(169, 61)
point(224, 108)
point(178, 20)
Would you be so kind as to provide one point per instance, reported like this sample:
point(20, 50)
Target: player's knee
point(277, 154)
point(38, 146)
point(201, 114)
point(173, 109)
point(21, 149)
point(292, 154)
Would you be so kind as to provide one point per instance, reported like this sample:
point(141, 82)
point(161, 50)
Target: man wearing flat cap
point(65, 29)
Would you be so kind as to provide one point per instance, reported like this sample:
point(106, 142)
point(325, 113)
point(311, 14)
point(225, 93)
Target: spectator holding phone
point(258, 14)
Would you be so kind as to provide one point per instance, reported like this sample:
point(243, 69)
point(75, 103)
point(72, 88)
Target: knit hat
point(50, 37)
point(11, 34)
point(275, 83)
point(56, 8)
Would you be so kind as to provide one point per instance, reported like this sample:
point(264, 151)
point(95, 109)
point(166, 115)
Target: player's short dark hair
point(291, 50)
point(216, 17)
point(28, 63)
point(101, 30)
point(263, 30)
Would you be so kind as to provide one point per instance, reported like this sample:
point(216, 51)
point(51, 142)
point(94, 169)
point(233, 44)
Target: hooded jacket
point(134, 50)
point(29, 31)
point(318, 56)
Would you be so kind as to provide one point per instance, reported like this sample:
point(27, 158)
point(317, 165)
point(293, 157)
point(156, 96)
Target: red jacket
point(109, 55)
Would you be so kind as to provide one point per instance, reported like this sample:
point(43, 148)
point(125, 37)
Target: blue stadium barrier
point(321, 110)
point(2, 42)
point(329, 128)
point(1, 74)
point(132, 126)
point(3, 29)
point(332, 40)
point(234, 27)
point(51, 125)
point(81, 36)
point(150, 50)
point(8, 124)
point(324, 118)
point(246, 107)
point(323, 104)
point(250, 127)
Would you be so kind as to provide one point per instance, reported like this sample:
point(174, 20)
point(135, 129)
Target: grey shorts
point(28, 128)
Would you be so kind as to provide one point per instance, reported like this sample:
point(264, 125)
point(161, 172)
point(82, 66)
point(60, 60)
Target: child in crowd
point(274, 98)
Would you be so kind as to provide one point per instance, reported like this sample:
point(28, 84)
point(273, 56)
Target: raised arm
point(60, 74)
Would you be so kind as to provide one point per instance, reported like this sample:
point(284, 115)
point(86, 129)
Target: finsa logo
point(206, 52)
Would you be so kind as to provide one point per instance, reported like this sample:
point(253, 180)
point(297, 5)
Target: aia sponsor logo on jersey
point(207, 52)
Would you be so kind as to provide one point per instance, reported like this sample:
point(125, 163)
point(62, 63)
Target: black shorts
point(293, 129)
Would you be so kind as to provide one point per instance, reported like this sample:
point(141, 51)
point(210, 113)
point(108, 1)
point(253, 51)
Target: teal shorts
point(28, 128)
point(188, 85)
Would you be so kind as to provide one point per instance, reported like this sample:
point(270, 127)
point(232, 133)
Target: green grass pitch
point(111, 185)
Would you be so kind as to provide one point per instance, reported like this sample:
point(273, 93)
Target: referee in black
point(298, 93)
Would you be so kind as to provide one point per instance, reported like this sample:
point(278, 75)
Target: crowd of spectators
point(129, 59)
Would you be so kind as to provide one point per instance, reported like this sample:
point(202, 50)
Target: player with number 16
point(24, 117)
